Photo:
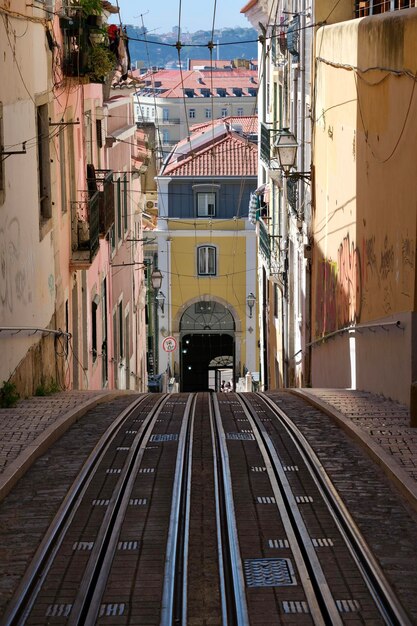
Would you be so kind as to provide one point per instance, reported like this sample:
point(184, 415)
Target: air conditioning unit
point(150, 204)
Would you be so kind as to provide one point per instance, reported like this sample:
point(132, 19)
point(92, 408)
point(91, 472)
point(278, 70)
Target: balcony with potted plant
point(87, 54)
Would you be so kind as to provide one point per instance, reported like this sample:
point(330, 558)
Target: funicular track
point(71, 574)
point(293, 468)
point(204, 507)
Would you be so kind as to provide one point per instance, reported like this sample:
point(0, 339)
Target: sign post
point(169, 344)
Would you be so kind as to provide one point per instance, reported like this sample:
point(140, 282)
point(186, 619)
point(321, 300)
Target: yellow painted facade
point(365, 217)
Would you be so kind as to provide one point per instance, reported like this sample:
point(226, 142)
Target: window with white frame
point(206, 261)
point(208, 114)
point(191, 113)
point(206, 204)
point(224, 112)
point(240, 112)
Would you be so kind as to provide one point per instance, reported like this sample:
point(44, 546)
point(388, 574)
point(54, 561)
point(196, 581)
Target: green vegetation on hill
point(159, 50)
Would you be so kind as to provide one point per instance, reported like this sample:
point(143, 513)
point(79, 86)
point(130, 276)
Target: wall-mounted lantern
point(250, 301)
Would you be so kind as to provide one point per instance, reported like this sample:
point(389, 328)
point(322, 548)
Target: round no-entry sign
point(169, 344)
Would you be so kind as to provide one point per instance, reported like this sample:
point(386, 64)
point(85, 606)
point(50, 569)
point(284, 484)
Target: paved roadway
point(385, 511)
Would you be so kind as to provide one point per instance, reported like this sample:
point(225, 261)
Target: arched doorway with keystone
point(207, 346)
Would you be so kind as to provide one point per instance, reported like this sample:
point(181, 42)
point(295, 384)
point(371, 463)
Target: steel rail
point(242, 617)
point(178, 529)
point(381, 591)
point(323, 608)
point(32, 581)
point(87, 603)
point(221, 548)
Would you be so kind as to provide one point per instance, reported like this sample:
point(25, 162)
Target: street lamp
point(156, 279)
point(250, 301)
point(285, 147)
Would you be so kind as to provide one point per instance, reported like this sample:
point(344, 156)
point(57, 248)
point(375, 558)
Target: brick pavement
point(380, 425)
point(28, 429)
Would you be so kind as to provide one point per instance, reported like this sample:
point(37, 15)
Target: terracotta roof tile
point(229, 156)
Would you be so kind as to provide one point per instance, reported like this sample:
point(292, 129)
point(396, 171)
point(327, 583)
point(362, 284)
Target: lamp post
point(250, 301)
point(286, 147)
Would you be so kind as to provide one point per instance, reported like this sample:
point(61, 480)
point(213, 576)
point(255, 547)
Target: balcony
point(104, 183)
point(86, 54)
point(264, 242)
point(85, 230)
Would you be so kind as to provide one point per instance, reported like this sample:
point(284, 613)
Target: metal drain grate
point(138, 501)
point(112, 609)
point(265, 500)
point(83, 545)
point(295, 607)
point(269, 573)
point(128, 545)
point(165, 437)
point(322, 543)
point(303, 499)
point(240, 436)
point(347, 606)
point(58, 610)
point(278, 543)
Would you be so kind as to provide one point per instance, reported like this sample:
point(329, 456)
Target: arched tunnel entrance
point(207, 346)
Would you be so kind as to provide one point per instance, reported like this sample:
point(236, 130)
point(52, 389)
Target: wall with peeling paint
point(364, 225)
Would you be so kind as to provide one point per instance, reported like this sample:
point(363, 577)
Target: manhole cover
point(269, 573)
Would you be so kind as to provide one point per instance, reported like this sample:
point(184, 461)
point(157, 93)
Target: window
point(221, 92)
point(88, 130)
point(206, 204)
point(44, 172)
point(165, 114)
point(165, 136)
point(63, 170)
point(240, 112)
point(237, 91)
point(206, 261)
point(1, 160)
point(208, 114)
point(121, 332)
point(224, 112)
point(125, 204)
point(119, 208)
point(94, 307)
point(191, 113)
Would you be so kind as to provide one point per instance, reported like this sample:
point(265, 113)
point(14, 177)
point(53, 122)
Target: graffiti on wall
point(371, 281)
point(15, 272)
point(339, 289)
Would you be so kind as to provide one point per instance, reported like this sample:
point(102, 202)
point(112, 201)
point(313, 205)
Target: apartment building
point(174, 100)
point(66, 189)
point(337, 247)
point(207, 258)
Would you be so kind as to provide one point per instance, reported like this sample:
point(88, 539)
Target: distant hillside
point(161, 51)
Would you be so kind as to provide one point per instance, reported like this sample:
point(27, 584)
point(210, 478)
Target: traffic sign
point(169, 344)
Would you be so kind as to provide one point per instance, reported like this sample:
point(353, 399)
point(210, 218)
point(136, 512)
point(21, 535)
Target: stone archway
point(207, 333)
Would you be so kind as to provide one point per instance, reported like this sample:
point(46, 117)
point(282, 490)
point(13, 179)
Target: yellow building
point(207, 256)
point(364, 229)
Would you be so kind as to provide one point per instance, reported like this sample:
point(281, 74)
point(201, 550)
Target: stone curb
point(40, 445)
point(402, 481)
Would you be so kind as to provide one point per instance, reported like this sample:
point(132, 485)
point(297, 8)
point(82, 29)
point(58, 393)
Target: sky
point(159, 16)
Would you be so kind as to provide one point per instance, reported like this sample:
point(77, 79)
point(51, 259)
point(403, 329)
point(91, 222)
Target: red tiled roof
point(249, 123)
point(172, 83)
point(231, 155)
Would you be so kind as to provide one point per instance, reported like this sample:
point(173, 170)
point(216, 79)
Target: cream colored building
point(176, 100)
